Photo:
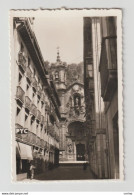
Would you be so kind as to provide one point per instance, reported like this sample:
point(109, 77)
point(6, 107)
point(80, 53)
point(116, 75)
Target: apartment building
point(36, 103)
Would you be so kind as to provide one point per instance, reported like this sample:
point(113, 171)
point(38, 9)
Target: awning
point(25, 151)
point(17, 151)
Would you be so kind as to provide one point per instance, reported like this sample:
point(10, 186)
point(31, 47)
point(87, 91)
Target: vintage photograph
point(66, 95)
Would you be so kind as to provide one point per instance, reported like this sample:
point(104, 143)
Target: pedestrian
point(32, 167)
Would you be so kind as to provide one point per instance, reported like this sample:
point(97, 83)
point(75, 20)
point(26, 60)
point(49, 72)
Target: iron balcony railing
point(22, 61)
point(32, 139)
point(39, 91)
point(34, 110)
point(20, 94)
point(42, 119)
point(108, 67)
point(38, 115)
point(34, 83)
point(27, 102)
point(29, 73)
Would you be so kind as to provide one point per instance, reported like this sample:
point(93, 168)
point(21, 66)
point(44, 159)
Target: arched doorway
point(80, 152)
point(76, 141)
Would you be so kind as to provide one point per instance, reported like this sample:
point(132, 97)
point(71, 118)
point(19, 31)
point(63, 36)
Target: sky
point(66, 32)
point(63, 32)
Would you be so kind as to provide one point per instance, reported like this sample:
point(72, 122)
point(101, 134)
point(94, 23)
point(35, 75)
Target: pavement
point(65, 173)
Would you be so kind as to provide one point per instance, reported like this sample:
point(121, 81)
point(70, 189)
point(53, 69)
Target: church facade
point(68, 81)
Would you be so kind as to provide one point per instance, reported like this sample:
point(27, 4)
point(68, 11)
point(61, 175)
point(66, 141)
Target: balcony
point(42, 97)
point(108, 67)
point(20, 94)
point(47, 108)
point(38, 115)
point(33, 110)
point(32, 139)
point(27, 103)
point(39, 91)
point(29, 73)
point(22, 61)
point(34, 83)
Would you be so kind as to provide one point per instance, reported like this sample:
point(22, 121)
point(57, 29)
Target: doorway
point(80, 151)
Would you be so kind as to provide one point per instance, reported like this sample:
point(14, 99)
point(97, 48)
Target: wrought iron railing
point(38, 115)
point(22, 61)
point(29, 73)
point(27, 102)
point(34, 110)
point(20, 94)
point(42, 119)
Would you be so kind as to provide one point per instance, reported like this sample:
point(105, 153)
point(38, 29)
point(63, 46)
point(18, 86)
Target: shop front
point(23, 158)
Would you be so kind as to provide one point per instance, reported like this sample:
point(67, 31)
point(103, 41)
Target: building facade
point(109, 89)
point(69, 84)
point(37, 105)
point(100, 61)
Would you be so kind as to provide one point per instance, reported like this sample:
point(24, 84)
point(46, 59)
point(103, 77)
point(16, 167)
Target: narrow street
point(66, 173)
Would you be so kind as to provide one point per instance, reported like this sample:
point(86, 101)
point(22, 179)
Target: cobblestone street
point(66, 173)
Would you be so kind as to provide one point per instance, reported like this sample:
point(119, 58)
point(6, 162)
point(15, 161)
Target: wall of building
point(33, 107)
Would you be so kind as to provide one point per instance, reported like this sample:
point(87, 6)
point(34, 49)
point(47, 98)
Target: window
point(29, 61)
point(32, 119)
point(27, 87)
point(26, 114)
point(41, 127)
point(34, 92)
point(20, 77)
point(38, 99)
point(26, 117)
point(18, 111)
point(42, 104)
point(37, 124)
